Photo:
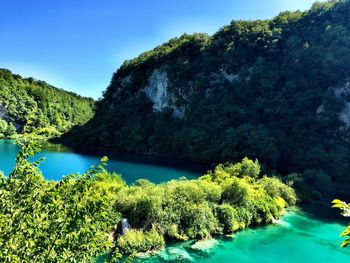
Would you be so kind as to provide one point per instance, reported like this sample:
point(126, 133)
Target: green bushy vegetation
point(64, 221)
point(262, 89)
point(230, 198)
point(75, 219)
point(345, 209)
point(7, 129)
point(139, 241)
point(53, 111)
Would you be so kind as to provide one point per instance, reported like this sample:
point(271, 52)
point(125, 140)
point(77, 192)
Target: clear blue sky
point(78, 44)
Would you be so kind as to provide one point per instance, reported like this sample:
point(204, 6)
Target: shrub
point(139, 241)
point(227, 217)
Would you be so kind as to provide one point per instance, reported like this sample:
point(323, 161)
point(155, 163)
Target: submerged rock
point(177, 254)
point(206, 245)
point(280, 222)
point(145, 255)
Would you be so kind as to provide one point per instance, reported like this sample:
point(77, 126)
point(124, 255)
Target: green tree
point(11, 130)
point(45, 221)
point(345, 208)
point(3, 128)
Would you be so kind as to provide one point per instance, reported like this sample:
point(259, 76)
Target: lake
point(298, 237)
point(61, 160)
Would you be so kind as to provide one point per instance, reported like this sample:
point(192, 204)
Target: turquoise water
point(297, 238)
point(60, 161)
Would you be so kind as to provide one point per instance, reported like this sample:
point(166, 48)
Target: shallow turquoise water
point(60, 161)
point(298, 238)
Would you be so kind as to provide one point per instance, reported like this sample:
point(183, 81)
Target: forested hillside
point(50, 110)
point(276, 90)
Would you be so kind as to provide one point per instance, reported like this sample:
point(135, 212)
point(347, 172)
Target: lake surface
point(299, 237)
point(61, 160)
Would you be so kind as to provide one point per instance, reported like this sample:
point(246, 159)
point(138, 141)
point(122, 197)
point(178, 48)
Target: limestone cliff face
point(3, 114)
point(157, 90)
point(343, 95)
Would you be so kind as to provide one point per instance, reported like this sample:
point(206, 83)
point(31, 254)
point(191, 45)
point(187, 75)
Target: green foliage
point(45, 221)
point(75, 219)
point(254, 88)
point(228, 218)
point(3, 128)
point(139, 241)
point(345, 208)
point(55, 111)
point(223, 201)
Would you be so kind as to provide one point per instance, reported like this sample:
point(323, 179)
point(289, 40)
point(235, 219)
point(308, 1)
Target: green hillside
point(276, 90)
point(53, 111)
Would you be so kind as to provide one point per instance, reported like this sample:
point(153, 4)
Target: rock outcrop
point(158, 92)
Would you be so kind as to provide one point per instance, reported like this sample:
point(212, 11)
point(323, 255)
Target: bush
point(275, 188)
point(198, 221)
point(139, 241)
point(43, 221)
point(223, 201)
point(227, 216)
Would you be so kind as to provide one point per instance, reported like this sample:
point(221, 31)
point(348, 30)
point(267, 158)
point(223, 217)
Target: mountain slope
point(277, 90)
point(52, 110)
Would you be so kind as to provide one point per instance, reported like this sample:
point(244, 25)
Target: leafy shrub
point(224, 200)
point(227, 216)
point(139, 241)
point(45, 221)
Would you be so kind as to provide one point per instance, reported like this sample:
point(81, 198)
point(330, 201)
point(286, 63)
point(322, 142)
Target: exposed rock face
point(158, 92)
point(4, 115)
point(343, 94)
point(232, 78)
point(345, 116)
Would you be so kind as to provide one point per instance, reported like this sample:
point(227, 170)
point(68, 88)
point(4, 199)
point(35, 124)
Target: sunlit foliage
point(55, 110)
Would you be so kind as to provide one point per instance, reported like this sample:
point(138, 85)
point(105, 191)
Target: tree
point(45, 221)
point(11, 130)
point(3, 128)
point(345, 208)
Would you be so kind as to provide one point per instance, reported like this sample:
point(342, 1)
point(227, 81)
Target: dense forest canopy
point(277, 90)
point(52, 111)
